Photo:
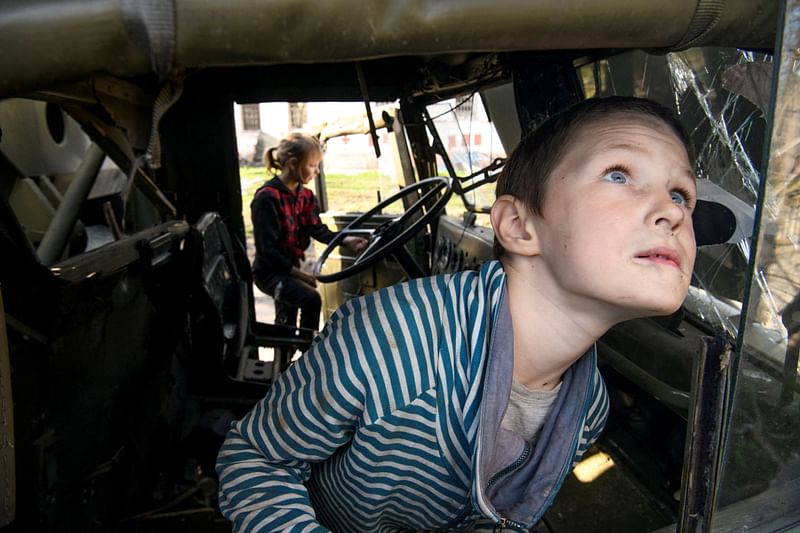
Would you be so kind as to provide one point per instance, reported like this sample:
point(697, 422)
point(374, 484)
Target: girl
point(285, 218)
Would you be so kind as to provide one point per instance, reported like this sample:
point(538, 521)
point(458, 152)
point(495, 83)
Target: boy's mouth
point(662, 255)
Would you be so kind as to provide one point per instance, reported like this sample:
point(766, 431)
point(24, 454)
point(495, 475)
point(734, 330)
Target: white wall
point(355, 152)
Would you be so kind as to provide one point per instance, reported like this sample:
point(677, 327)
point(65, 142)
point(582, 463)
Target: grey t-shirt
point(527, 409)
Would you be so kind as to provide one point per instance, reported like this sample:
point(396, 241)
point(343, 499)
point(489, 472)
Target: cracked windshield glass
point(723, 96)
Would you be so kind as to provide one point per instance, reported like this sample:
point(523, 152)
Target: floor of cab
point(614, 502)
point(635, 487)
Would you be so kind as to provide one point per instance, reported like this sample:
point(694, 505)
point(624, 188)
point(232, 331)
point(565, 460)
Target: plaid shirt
point(283, 224)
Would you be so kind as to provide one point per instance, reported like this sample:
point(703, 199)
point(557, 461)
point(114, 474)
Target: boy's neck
point(550, 331)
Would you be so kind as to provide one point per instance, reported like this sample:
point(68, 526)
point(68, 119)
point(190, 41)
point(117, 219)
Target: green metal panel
point(8, 480)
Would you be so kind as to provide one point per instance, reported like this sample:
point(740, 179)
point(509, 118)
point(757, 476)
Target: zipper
point(526, 452)
point(506, 524)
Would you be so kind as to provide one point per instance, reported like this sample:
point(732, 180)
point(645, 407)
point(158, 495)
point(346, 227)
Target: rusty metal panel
point(8, 480)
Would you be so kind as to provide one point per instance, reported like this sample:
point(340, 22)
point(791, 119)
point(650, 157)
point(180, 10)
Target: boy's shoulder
point(440, 290)
point(486, 275)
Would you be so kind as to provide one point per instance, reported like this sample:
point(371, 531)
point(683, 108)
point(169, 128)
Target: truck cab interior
point(129, 339)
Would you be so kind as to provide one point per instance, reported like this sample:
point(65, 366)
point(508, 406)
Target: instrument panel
point(460, 245)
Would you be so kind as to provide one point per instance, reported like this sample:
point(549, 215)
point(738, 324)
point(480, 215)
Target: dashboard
point(460, 245)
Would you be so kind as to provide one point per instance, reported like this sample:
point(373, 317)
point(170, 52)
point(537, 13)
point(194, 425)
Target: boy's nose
point(667, 214)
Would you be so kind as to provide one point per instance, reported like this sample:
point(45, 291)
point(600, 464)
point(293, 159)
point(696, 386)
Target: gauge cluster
point(460, 246)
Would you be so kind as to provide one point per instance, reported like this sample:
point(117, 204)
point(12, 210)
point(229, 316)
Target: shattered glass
point(762, 462)
point(723, 97)
point(715, 92)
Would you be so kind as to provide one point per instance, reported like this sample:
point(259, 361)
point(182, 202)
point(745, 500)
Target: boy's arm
point(257, 494)
point(306, 416)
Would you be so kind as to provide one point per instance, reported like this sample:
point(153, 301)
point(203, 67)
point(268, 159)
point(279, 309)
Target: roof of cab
point(57, 41)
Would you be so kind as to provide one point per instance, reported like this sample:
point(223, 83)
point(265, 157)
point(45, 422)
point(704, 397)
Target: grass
point(346, 192)
point(354, 193)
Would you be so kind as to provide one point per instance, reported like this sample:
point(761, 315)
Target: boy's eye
point(680, 197)
point(616, 176)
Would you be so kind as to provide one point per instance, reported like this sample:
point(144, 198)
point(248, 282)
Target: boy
point(462, 401)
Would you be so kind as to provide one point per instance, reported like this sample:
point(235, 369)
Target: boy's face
point(617, 226)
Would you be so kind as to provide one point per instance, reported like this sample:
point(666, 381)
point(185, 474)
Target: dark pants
point(291, 291)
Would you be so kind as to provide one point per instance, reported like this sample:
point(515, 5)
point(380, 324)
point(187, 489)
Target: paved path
point(265, 307)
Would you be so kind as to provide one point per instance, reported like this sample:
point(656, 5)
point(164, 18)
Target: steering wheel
point(389, 237)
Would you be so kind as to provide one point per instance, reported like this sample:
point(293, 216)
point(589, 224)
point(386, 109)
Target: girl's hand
point(310, 279)
point(358, 244)
point(305, 277)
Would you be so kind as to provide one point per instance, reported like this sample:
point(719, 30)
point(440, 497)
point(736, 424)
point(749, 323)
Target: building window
point(297, 115)
point(464, 107)
point(251, 118)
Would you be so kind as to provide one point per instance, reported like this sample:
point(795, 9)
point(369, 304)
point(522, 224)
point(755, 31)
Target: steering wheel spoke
point(374, 245)
point(389, 237)
point(358, 232)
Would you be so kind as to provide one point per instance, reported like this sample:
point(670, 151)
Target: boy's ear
point(513, 226)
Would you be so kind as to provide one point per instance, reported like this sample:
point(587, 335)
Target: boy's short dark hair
point(528, 168)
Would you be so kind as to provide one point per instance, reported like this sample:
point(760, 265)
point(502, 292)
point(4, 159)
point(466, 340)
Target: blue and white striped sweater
point(375, 428)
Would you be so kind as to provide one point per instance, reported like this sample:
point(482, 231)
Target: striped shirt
point(376, 427)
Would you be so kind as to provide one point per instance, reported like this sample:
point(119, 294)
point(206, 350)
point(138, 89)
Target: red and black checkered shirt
point(283, 224)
